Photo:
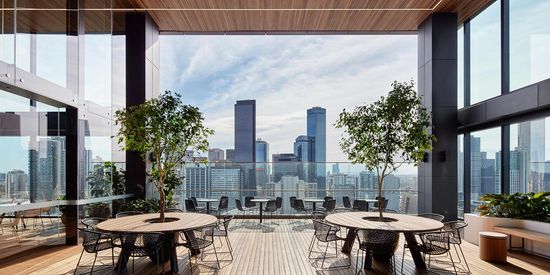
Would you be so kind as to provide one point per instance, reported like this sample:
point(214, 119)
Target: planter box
point(478, 223)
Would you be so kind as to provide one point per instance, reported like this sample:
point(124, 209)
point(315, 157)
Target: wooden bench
point(523, 234)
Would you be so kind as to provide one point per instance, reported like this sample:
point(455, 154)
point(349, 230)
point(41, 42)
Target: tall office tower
point(17, 184)
point(531, 141)
point(230, 155)
point(262, 163)
point(196, 181)
point(488, 175)
point(245, 142)
point(225, 181)
point(47, 169)
point(304, 150)
point(245, 131)
point(317, 128)
point(284, 165)
point(215, 154)
point(475, 163)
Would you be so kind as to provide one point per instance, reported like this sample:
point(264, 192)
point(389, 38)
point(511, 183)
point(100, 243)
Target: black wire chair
point(330, 205)
point(142, 245)
point(316, 216)
point(326, 233)
point(436, 243)
point(91, 223)
point(360, 205)
point(456, 238)
point(433, 216)
point(371, 240)
point(191, 207)
point(223, 231)
point(279, 203)
point(293, 203)
point(346, 202)
point(94, 242)
point(198, 208)
point(199, 239)
point(249, 203)
point(271, 207)
point(127, 213)
point(300, 207)
point(223, 205)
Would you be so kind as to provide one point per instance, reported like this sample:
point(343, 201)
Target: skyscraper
point(215, 154)
point(262, 165)
point(304, 150)
point(245, 142)
point(317, 128)
point(245, 131)
point(230, 155)
point(284, 165)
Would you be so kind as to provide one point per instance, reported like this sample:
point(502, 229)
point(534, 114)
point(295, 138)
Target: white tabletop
point(368, 200)
point(313, 200)
point(260, 200)
point(403, 223)
point(206, 200)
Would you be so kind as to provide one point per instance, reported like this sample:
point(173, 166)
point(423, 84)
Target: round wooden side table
point(492, 246)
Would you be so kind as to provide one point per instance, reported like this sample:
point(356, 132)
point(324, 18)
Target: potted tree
point(162, 130)
point(387, 133)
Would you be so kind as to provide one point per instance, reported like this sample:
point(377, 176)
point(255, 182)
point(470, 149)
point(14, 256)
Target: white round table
point(207, 201)
point(313, 201)
point(261, 201)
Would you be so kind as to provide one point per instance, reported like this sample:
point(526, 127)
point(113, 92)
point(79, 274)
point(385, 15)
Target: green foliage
point(526, 206)
point(387, 133)
point(146, 206)
point(106, 179)
point(165, 128)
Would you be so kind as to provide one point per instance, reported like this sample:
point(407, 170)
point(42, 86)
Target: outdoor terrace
point(276, 247)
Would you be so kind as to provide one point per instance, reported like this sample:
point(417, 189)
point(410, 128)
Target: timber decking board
point(266, 249)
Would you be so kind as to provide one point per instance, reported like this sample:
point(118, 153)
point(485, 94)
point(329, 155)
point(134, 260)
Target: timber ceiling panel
point(300, 15)
point(222, 16)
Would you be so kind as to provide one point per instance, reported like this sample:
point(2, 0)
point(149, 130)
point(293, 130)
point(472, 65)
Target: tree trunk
point(380, 199)
point(162, 202)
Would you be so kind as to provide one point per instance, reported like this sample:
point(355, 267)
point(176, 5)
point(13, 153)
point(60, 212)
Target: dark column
point(437, 84)
point(142, 71)
point(72, 144)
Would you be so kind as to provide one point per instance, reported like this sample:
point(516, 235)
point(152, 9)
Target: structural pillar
point(142, 83)
point(437, 84)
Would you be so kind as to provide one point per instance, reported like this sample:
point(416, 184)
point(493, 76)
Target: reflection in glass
point(32, 168)
point(529, 40)
point(460, 175)
point(485, 54)
point(485, 161)
point(530, 156)
point(460, 71)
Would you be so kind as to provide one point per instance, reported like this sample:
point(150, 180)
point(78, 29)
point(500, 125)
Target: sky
point(286, 75)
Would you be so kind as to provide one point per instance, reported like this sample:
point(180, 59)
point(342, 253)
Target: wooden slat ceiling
point(300, 15)
point(226, 16)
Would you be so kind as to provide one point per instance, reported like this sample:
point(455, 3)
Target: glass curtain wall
point(54, 55)
point(530, 156)
point(485, 164)
point(529, 40)
point(485, 54)
point(529, 153)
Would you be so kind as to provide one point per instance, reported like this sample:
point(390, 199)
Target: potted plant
point(387, 133)
point(162, 130)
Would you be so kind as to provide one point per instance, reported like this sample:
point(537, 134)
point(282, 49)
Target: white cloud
point(286, 75)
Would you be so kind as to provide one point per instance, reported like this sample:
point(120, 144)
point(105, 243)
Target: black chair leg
point(78, 263)
point(93, 264)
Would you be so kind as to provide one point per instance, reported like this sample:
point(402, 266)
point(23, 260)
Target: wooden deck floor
point(267, 249)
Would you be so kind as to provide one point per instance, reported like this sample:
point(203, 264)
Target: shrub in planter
point(526, 206)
